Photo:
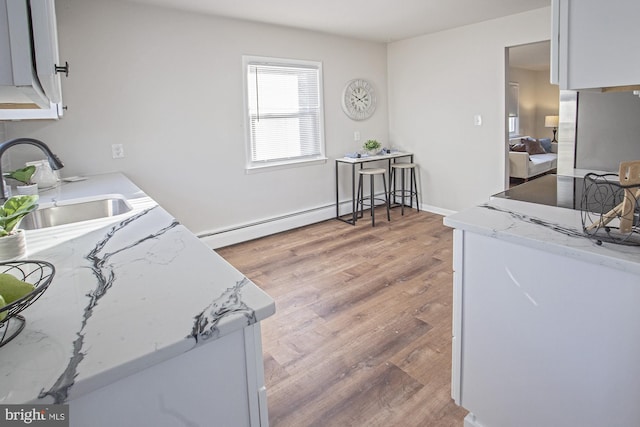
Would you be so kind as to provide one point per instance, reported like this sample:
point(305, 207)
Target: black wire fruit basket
point(610, 209)
point(39, 274)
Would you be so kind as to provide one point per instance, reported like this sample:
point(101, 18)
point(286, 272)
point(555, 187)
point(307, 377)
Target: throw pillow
point(534, 147)
point(522, 148)
point(546, 144)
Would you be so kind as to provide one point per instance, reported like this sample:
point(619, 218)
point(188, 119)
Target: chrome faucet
point(54, 161)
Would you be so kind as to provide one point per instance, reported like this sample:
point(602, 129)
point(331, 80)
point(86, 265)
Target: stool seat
point(403, 165)
point(371, 173)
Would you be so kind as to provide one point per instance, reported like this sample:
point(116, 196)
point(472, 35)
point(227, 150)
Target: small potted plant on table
point(372, 147)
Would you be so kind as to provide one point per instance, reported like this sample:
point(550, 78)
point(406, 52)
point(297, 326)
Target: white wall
point(538, 98)
point(548, 103)
point(437, 83)
point(168, 85)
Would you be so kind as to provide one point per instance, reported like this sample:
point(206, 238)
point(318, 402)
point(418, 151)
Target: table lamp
point(552, 122)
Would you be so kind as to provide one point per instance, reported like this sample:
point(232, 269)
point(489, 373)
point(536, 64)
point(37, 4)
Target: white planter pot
point(13, 246)
point(27, 189)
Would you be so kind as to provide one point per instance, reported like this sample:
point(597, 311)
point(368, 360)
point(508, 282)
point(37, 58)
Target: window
point(284, 111)
point(513, 126)
point(513, 108)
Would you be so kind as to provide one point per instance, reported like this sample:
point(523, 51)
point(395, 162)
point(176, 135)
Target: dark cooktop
point(553, 190)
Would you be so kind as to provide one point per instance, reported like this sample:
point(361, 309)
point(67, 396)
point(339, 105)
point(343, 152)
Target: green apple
point(12, 289)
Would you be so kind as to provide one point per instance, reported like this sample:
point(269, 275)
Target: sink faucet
point(54, 161)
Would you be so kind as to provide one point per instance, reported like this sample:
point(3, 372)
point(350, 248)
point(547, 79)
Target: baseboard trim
point(471, 421)
point(437, 210)
point(244, 232)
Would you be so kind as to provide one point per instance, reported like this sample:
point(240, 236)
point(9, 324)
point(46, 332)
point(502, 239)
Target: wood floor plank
point(362, 330)
point(366, 402)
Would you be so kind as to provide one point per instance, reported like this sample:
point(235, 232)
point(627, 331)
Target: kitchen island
point(143, 324)
point(546, 329)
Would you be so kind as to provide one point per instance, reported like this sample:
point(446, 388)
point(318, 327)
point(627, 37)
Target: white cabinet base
point(220, 383)
point(543, 339)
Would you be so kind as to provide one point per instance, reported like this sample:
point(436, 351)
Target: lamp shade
point(551, 121)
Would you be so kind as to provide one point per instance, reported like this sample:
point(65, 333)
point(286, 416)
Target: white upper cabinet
point(595, 43)
point(29, 63)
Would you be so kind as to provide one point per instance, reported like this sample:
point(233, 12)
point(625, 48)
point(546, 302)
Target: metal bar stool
point(372, 172)
point(404, 193)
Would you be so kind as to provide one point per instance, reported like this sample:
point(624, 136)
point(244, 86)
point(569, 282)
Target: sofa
point(528, 158)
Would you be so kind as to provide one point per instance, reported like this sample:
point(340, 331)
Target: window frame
point(250, 164)
point(513, 100)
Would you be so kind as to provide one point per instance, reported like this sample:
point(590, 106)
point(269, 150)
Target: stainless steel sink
point(71, 211)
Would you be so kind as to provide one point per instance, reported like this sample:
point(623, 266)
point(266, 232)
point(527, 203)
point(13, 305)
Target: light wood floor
point(362, 330)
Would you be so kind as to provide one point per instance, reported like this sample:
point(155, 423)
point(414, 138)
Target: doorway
point(530, 97)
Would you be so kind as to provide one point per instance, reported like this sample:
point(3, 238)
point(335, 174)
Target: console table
point(353, 161)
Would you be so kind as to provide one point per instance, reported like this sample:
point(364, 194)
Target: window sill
point(284, 165)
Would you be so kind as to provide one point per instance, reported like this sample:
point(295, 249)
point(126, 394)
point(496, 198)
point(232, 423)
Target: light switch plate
point(117, 151)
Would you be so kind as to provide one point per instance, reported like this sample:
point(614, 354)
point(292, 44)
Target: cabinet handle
point(65, 69)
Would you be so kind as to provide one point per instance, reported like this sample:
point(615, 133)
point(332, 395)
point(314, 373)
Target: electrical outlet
point(477, 120)
point(117, 151)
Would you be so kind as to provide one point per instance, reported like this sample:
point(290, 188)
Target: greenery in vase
point(23, 175)
point(13, 210)
point(371, 145)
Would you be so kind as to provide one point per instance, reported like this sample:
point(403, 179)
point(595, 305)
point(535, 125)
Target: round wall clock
point(359, 99)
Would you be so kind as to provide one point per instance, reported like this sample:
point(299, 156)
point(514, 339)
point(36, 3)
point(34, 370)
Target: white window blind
point(513, 107)
point(513, 99)
point(284, 111)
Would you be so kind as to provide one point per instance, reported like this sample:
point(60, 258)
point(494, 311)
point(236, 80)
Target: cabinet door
point(595, 43)
point(456, 336)
point(29, 83)
point(547, 340)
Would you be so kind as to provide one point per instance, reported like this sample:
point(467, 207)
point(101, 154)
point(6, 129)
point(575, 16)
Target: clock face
point(359, 99)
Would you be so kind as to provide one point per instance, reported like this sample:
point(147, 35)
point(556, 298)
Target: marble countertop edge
point(128, 265)
point(550, 229)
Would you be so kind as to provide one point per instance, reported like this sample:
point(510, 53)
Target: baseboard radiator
point(244, 232)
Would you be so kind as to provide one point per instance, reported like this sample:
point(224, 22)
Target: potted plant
point(24, 176)
point(12, 240)
point(372, 146)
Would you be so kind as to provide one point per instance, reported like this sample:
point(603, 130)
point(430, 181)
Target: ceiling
point(373, 20)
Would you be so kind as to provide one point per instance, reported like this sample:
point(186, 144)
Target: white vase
point(27, 189)
point(44, 176)
point(13, 246)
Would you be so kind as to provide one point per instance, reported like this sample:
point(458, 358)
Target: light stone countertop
point(129, 292)
point(551, 229)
